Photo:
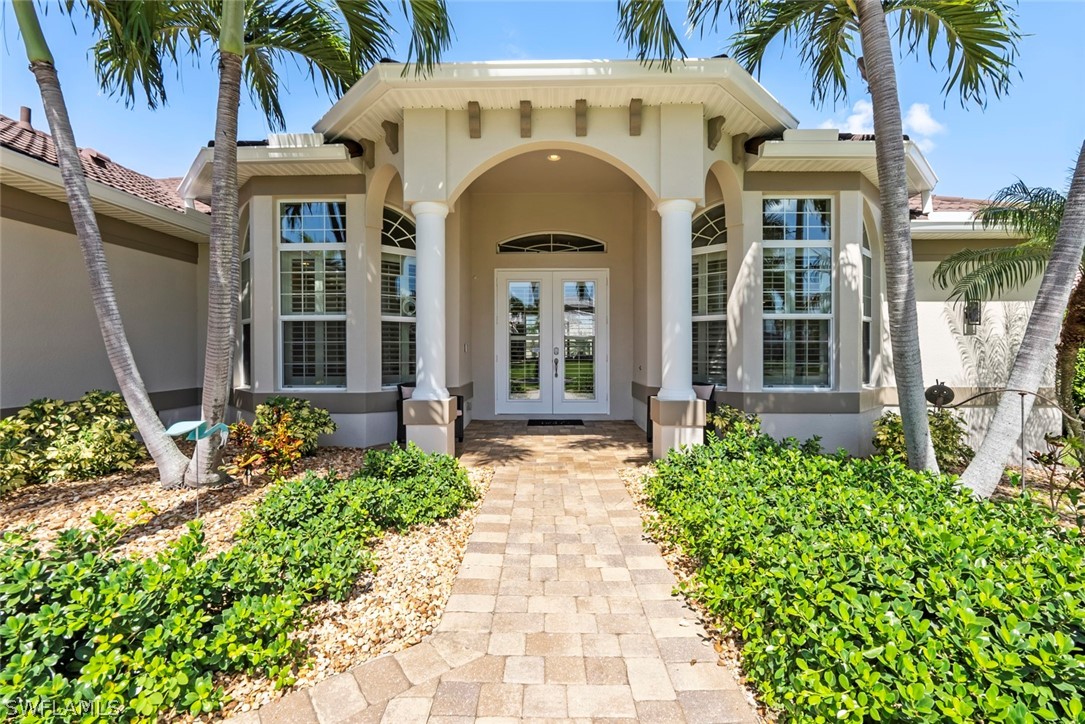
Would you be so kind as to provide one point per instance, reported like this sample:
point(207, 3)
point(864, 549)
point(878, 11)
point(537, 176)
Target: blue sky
point(1034, 133)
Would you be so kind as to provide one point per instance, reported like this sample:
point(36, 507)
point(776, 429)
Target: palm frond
point(134, 40)
point(431, 33)
point(980, 37)
point(259, 74)
point(988, 273)
point(368, 32)
point(1035, 212)
point(646, 28)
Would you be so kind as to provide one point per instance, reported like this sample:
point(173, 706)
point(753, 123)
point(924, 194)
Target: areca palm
point(170, 461)
point(981, 274)
point(980, 46)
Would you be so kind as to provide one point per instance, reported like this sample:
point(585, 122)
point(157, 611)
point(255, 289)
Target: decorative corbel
point(635, 105)
point(391, 136)
point(525, 119)
point(581, 117)
point(369, 152)
point(738, 148)
point(715, 131)
point(474, 119)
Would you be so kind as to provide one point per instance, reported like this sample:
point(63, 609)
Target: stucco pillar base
point(676, 424)
point(431, 424)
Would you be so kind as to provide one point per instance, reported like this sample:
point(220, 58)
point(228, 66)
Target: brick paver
point(561, 609)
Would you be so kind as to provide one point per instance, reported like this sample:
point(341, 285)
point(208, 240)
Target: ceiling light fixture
point(553, 157)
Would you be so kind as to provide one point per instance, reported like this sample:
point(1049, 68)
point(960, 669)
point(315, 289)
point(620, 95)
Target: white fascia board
point(197, 183)
point(921, 176)
point(925, 174)
point(191, 221)
point(187, 188)
point(961, 229)
point(725, 73)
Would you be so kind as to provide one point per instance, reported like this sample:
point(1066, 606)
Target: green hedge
point(866, 591)
point(56, 440)
point(87, 630)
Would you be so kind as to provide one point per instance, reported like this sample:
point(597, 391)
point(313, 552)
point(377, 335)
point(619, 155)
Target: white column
point(429, 220)
point(676, 312)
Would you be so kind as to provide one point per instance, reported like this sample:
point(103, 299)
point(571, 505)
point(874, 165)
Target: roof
point(941, 204)
point(721, 85)
point(97, 166)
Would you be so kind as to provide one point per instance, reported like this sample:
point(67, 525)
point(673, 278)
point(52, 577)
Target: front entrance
point(552, 342)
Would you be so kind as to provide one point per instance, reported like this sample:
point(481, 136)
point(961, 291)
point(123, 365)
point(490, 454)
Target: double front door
point(552, 351)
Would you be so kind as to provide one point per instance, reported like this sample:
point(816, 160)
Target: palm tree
point(980, 47)
point(1038, 343)
point(167, 457)
point(332, 40)
point(981, 274)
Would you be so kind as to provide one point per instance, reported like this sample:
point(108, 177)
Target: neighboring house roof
point(97, 166)
point(940, 204)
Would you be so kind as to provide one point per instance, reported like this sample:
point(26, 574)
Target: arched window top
point(398, 229)
point(710, 227)
point(866, 239)
point(550, 243)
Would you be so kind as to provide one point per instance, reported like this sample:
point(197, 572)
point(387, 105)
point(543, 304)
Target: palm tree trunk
point(224, 267)
point(1038, 343)
point(170, 461)
point(899, 268)
point(1067, 352)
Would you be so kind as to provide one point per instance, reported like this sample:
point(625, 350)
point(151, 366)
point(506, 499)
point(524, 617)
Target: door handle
point(555, 368)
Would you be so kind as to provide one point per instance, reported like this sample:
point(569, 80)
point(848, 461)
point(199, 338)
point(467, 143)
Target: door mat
point(553, 423)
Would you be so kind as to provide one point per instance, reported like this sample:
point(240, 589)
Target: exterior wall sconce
point(973, 316)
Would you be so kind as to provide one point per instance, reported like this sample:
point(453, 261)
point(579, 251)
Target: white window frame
point(243, 292)
point(399, 319)
point(280, 318)
point(722, 317)
point(866, 315)
point(829, 244)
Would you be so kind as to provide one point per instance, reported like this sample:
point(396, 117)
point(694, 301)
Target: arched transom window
point(710, 296)
point(550, 243)
point(398, 357)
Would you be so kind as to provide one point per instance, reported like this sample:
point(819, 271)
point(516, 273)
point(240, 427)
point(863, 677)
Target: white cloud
point(918, 123)
point(918, 120)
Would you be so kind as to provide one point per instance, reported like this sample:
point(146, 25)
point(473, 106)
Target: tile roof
point(944, 203)
point(97, 166)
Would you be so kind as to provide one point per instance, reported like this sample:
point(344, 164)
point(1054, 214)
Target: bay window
point(313, 293)
point(797, 299)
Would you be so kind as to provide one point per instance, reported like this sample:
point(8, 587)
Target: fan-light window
point(709, 296)
point(550, 244)
point(398, 296)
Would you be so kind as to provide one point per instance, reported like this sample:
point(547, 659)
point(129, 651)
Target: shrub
point(402, 487)
point(56, 440)
point(948, 435)
point(867, 591)
point(139, 637)
point(302, 420)
point(1079, 381)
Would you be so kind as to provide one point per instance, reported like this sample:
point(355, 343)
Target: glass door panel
point(525, 343)
point(578, 311)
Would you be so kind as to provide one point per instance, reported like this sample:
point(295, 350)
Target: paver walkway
point(561, 610)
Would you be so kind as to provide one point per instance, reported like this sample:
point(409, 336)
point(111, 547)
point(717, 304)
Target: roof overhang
point(43, 179)
point(821, 151)
point(965, 229)
point(331, 159)
point(720, 84)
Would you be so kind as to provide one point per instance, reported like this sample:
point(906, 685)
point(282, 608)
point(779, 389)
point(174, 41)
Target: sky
point(1033, 133)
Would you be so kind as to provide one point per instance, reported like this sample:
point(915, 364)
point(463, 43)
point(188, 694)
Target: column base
point(431, 424)
point(676, 424)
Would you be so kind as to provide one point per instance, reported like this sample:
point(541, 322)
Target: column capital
point(675, 206)
point(439, 208)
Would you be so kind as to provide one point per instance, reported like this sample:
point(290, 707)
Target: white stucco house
point(561, 239)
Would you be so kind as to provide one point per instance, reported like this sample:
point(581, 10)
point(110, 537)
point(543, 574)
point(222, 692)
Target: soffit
point(837, 156)
point(191, 226)
point(575, 173)
point(719, 84)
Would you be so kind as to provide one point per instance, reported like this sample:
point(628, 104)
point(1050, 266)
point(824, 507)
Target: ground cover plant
point(89, 631)
point(863, 590)
point(54, 440)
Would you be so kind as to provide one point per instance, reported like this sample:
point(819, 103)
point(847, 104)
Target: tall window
point(710, 296)
point(397, 298)
point(246, 307)
point(798, 292)
point(868, 310)
point(313, 293)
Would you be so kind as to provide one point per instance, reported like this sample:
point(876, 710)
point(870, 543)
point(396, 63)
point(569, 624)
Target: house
point(584, 239)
